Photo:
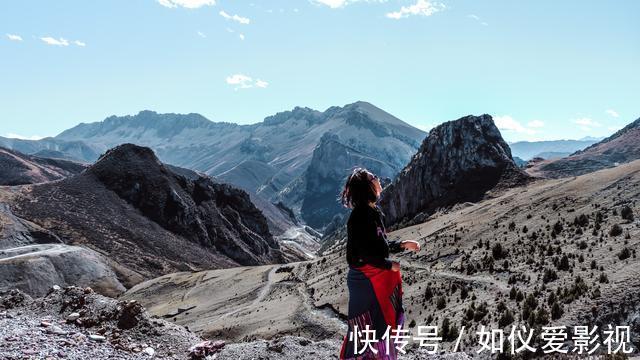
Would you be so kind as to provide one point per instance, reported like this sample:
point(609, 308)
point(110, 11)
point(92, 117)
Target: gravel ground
point(74, 323)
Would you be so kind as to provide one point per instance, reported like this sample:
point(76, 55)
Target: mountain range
point(507, 250)
point(279, 159)
point(619, 148)
point(550, 149)
point(500, 246)
point(145, 218)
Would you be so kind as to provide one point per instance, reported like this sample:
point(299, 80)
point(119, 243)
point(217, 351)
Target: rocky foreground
point(77, 323)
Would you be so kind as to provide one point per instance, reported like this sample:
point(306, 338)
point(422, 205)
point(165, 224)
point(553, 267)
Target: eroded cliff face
point(459, 161)
point(330, 165)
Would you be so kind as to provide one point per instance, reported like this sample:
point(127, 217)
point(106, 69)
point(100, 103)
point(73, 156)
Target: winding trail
point(261, 295)
point(486, 280)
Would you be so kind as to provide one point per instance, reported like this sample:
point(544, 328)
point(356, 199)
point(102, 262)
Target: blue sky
point(544, 69)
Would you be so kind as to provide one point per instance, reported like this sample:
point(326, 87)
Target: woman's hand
point(395, 266)
point(410, 245)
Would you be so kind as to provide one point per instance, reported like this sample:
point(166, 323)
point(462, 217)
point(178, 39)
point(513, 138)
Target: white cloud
point(53, 41)
point(261, 83)
point(335, 4)
point(477, 18)
point(21, 137)
point(241, 36)
point(585, 121)
point(236, 18)
point(535, 124)
point(189, 4)
point(61, 41)
point(420, 8)
point(586, 124)
point(14, 37)
point(613, 113)
point(507, 123)
point(241, 81)
point(201, 34)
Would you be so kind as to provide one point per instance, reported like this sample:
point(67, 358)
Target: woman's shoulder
point(361, 213)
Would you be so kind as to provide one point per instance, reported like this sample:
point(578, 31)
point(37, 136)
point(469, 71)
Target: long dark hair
point(360, 189)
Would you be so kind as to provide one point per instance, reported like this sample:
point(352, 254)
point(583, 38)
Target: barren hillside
point(553, 252)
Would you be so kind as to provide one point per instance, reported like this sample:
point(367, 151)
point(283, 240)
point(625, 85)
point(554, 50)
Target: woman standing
point(374, 281)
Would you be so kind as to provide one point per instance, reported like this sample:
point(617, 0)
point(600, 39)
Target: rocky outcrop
point(619, 148)
point(34, 269)
point(19, 169)
point(330, 165)
point(78, 323)
point(149, 220)
point(210, 214)
point(459, 161)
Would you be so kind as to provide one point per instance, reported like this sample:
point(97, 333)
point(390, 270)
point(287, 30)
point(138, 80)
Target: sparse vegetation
point(616, 230)
point(627, 213)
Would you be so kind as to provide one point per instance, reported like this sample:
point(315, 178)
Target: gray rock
point(98, 338)
point(459, 161)
point(73, 317)
point(35, 269)
point(56, 330)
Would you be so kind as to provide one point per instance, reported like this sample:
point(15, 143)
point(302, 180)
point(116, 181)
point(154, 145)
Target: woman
point(374, 282)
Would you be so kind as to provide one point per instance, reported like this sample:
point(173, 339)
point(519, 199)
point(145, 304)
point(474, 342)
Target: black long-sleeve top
point(367, 239)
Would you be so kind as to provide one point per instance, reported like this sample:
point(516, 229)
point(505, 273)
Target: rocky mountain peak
point(207, 213)
point(298, 113)
point(458, 161)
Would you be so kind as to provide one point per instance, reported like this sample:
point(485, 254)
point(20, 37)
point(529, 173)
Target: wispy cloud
point(477, 18)
point(508, 123)
point(612, 113)
point(236, 18)
point(61, 41)
point(586, 124)
point(335, 4)
point(201, 34)
point(420, 8)
point(241, 36)
point(261, 83)
point(21, 137)
point(56, 42)
point(241, 81)
point(14, 37)
point(535, 124)
point(189, 4)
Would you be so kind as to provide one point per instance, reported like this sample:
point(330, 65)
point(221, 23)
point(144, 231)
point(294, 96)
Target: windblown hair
point(360, 189)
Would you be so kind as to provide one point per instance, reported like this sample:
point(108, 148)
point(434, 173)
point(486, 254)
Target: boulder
point(35, 269)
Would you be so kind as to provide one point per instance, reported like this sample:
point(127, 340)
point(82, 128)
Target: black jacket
point(367, 239)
